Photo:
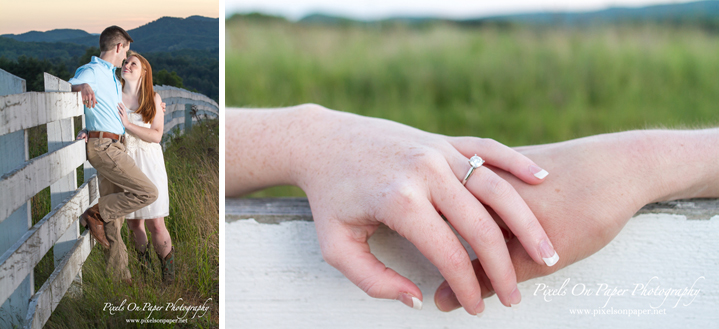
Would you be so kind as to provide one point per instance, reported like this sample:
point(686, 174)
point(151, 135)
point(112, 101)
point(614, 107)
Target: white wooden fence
point(185, 107)
point(276, 277)
point(24, 245)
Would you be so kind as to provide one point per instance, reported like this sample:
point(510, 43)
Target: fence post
point(14, 152)
point(188, 118)
point(61, 133)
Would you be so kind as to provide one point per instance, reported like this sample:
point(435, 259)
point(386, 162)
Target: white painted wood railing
point(24, 245)
point(276, 277)
point(185, 107)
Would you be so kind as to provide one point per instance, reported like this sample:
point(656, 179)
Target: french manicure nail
point(548, 254)
point(515, 297)
point(410, 301)
point(538, 172)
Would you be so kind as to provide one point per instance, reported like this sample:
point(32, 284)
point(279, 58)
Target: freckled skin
point(605, 180)
point(361, 172)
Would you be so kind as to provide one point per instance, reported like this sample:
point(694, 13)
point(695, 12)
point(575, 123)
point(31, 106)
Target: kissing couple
point(124, 126)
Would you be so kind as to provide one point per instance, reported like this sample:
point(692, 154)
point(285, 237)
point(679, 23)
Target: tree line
point(194, 70)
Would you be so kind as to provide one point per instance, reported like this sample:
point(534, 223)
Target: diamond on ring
point(475, 162)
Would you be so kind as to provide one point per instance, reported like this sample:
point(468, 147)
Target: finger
point(501, 156)
point(446, 300)
point(508, 235)
point(477, 227)
point(525, 267)
point(423, 226)
point(497, 193)
point(354, 259)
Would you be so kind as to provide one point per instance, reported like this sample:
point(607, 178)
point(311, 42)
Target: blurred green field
point(518, 85)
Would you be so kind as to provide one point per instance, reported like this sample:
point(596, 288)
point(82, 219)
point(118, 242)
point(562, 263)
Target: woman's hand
point(123, 114)
point(600, 182)
point(361, 172)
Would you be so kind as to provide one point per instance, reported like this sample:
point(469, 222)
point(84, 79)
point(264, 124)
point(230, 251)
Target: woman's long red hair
point(147, 94)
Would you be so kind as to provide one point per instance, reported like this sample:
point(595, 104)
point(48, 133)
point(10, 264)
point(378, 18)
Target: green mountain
point(186, 49)
point(12, 49)
point(49, 36)
point(700, 12)
point(164, 34)
point(681, 13)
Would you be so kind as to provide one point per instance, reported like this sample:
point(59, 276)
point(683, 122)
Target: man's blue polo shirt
point(100, 75)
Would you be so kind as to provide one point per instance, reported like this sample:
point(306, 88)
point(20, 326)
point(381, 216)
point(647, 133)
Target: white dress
point(148, 157)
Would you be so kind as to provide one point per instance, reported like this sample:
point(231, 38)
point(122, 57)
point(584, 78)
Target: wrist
point(268, 147)
point(687, 166)
point(305, 143)
point(705, 162)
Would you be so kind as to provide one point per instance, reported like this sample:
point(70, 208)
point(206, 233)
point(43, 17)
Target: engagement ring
point(475, 162)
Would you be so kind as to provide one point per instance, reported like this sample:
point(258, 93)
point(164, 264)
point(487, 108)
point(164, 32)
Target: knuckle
point(406, 197)
point(457, 259)
point(497, 188)
point(490, 143)
point(372, 286)
point(485, 230)
point(427, 160)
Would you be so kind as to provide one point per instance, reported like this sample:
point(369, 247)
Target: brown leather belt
point(104, 134)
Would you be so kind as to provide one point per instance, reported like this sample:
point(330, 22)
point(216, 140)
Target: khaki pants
point(123, 189)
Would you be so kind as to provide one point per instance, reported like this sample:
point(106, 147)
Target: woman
point(144, 126)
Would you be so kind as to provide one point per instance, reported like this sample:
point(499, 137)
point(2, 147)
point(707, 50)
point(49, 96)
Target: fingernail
point(446, 300)
point(480, 308)
point(549, 256)
point(410, 301)
point(538, 172)
point(515, 297)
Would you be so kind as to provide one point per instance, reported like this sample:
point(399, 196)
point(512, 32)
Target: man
point(123, 187)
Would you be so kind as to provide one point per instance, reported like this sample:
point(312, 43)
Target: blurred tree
point(89, 52)
point(163, 77)
point(32, 69)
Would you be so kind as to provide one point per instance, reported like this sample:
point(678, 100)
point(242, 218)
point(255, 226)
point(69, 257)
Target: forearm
point(149, 135)
point(263, 147)
point(649, 165)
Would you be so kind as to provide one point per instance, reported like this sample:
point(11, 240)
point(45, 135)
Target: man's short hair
point(113, 35)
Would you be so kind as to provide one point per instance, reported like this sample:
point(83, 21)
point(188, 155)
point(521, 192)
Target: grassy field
point(517, 85)
point(192, 163)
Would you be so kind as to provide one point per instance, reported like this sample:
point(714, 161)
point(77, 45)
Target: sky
point(20, 16)
point(373, 9)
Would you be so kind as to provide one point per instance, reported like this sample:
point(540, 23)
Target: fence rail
point(23, 245)
point(185, 107)
point(277, 278)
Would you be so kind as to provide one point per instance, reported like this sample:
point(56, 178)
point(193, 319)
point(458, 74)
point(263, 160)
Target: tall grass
point(517, 85)
point(192, 163)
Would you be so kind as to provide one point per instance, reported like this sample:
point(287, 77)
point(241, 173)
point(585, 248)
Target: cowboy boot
point(96, 225)
point(168, 266)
